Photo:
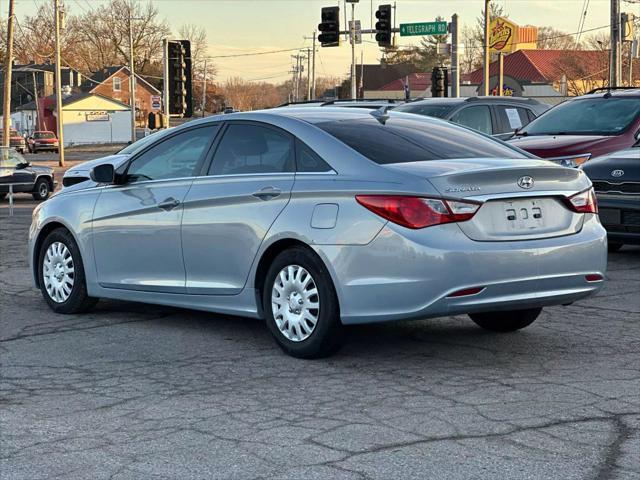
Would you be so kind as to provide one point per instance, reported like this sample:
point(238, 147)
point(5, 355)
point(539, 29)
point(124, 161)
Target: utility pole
point(165, 82)
point(615, 64)
point(313, 81)
point(308, 74)
point(59, 121)
point(204, 88)
point(487, 21)
point(8, 65)
point(352, 34)
point(500, 73)
point(132, 78)
point(35, 99)
point(455, 58)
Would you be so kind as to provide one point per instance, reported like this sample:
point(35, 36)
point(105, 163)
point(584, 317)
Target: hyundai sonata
point(313, 219)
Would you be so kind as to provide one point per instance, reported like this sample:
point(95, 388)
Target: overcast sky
point(242, 26)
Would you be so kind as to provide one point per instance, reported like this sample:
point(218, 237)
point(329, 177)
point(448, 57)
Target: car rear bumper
point(405, 274)
point(620, 216)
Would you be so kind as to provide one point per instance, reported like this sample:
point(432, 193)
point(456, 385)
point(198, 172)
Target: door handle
point(267, 193)
point(169, 204)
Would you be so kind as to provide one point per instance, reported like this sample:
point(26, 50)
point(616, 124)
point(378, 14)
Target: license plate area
point(524, 215)
point(522, 219)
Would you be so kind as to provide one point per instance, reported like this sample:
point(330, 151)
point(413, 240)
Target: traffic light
point(383, 25)
point(439, 82)
point(627, 21)
point(180, 88)
point(330, 27)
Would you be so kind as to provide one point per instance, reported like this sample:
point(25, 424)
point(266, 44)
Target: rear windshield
point(43, 135)
point(403, 140)
point(589, 116)
point(429, 109)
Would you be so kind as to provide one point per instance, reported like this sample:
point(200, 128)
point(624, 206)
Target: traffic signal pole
point(455, 58)
point(132, 77)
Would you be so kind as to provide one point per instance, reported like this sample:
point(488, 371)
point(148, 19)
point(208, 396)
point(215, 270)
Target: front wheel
point(301, 305)
point(61, 274)
point(41, 190)
point(506, 321)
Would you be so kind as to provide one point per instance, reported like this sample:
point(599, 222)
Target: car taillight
point(583, 202)
point(418, 212)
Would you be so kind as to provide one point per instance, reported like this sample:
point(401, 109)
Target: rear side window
point(512, 118)
point(402, 140)
point(477, 117)
point(253, 149)
point(428, 109)
point(309, 161)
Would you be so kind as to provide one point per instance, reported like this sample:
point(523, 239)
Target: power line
point(254, 53)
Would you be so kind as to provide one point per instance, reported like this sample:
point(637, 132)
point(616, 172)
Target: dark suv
point(584, 127)
point(497, 116)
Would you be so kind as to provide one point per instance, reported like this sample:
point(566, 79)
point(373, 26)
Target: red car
point(15, 140)
point(584, 127)
point(42, 140)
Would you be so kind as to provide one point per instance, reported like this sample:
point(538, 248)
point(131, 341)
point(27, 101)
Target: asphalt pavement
point(133, 391)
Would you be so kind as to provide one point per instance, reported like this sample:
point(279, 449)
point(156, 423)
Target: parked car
point(26, 178)
point(616, 180)
point(584, 127)
point(42, 140)
point(497, 116)
point(316, 218)
point(16, 140)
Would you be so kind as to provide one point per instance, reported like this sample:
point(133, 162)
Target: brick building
point(113, 82)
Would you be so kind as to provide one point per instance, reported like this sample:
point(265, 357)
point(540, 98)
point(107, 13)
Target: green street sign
point(423, 28)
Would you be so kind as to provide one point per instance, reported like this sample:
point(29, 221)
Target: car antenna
point(381, 114)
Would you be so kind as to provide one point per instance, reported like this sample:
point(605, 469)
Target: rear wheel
point(42, 189)
point(614, 246)
point(506, 321)
point(61, 274)
point(301, 305)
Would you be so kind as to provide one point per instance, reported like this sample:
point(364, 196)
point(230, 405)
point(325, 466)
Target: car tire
point(69, 294)
point(301, 280)
point(614, 246)
point(509, 321)
point(42, 189)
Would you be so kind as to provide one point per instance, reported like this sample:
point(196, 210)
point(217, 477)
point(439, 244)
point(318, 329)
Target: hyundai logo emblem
point(525, 182)
point(617, 173)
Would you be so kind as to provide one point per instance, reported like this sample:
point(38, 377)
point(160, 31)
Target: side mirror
point(23, 165)
point(104, 173)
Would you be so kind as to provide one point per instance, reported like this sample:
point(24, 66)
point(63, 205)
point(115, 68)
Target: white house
point(88, 118)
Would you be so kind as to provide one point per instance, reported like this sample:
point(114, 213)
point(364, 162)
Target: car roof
point(627, 92)
point(490, 99)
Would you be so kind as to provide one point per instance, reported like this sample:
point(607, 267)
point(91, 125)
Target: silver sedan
point(313, 219)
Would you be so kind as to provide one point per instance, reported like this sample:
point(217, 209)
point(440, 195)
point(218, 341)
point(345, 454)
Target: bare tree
point(550, 38)
point(199, 45)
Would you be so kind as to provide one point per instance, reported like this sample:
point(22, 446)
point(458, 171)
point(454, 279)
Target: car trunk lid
point(522, 199)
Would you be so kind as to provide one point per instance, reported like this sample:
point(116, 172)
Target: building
point(554, 72)
point(113, 82)
point(42, 75)
point(88, 118)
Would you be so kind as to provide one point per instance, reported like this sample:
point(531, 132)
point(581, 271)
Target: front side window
point(477, 117)
point(402, 140)
point(587, 116)
point(252, 149)
point(117, 86)
point(175, 157)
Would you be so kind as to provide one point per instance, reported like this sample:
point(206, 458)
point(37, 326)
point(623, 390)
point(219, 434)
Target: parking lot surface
point(138, 391)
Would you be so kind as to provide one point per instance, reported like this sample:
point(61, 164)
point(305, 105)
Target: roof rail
point(338, 100)
point(286, 104)
point(608, 89)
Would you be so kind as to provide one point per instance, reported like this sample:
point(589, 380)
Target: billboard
point(503, 36)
